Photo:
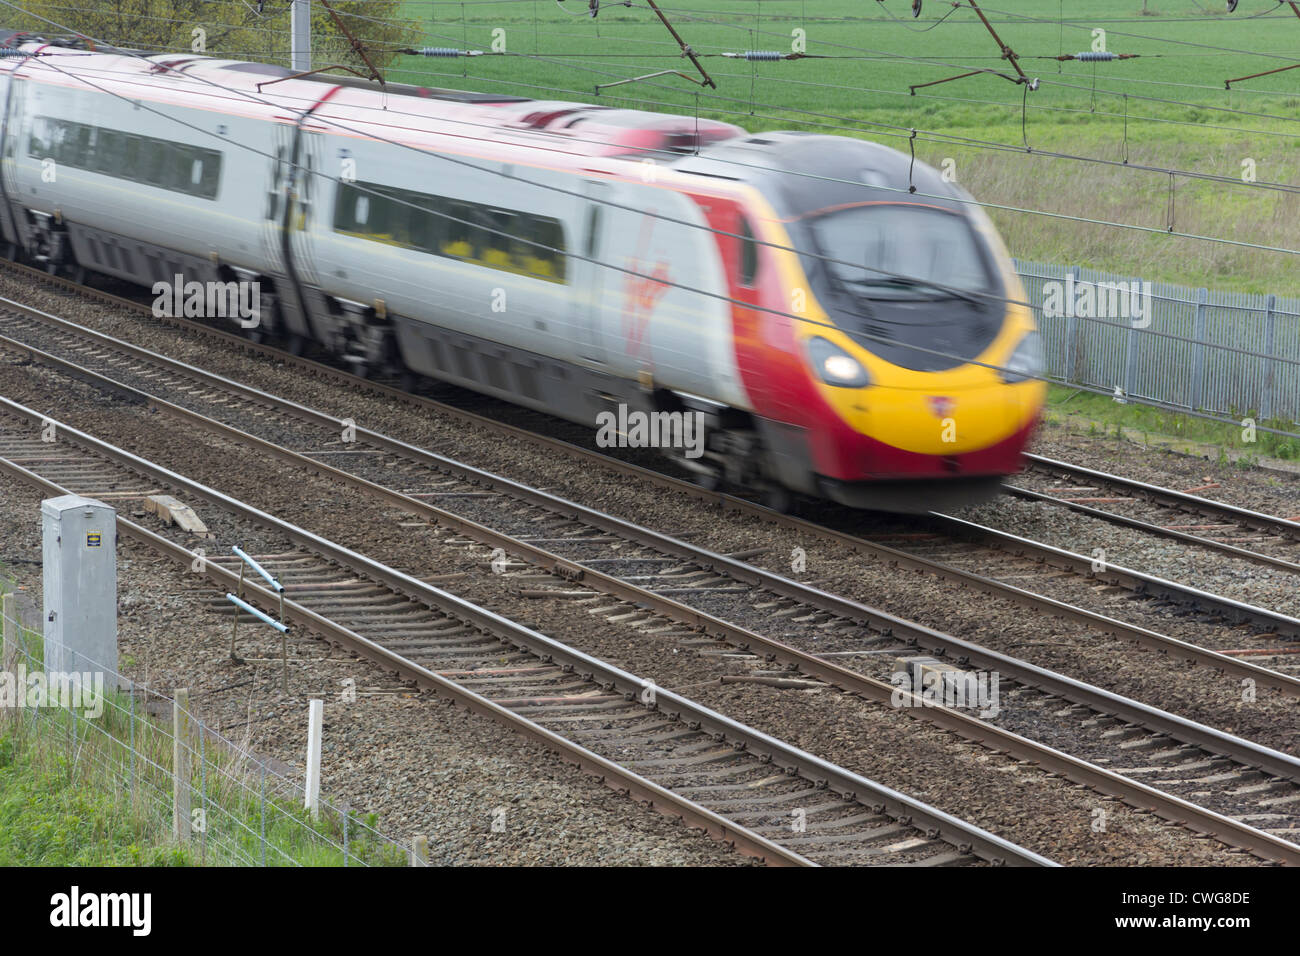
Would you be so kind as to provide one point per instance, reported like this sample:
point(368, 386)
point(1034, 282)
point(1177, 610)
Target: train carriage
point(838, 334)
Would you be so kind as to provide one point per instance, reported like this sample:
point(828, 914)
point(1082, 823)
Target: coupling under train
point(837, 335)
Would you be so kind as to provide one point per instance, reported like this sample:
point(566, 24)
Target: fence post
point(420, 850)
point(263, 806)
point(346, 812)
point(1131, 350)
point(203, 797)
point(1072, 330)
point(1266, 387)
point(9, 609)
point(1198, 350)
point(315, 720)
point(181, 766)
point(132, 748)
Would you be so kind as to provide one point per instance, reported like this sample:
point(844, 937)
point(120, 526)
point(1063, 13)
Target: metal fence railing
point(1225, 353)
point(193, 796)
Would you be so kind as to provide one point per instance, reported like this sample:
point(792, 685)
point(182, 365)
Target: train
point(842, 321)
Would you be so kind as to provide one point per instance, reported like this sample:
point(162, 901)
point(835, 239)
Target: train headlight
point(1026, 361)
point(836, 366)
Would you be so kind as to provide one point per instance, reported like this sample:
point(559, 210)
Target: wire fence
point(175, 786)
point(1226, 353)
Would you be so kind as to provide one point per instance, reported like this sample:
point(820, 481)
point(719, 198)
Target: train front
point(910, 367)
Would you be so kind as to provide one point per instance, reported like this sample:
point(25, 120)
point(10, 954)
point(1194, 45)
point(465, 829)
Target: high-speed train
point(836, 334)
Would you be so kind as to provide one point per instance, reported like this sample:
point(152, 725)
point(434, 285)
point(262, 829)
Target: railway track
point(740, 785)
point(1250, 535)
point(650, 576)
point(1266, 637)
point(948, 552)
point(976, 550)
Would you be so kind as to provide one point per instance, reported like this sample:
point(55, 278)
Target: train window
point(395, 215)
point(108, 151)
point(303, 207)
point(748, 254)
point(38, 142)
point(131, 157)
point(408, 217)
point(53, 133)
point(503, 226)
point(56, 143)
point(188, 169)
point(424, 221)
point(379, 221)
point(464, 237)
point(178, 162)
point(210, 179)
point(154, 157)
point(347, 208)
point(76, 144)
point(546, 258)
point(498, 238)
point(524, 248)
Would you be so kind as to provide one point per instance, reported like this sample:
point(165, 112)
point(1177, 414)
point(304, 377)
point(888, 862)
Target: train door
point(289, 220)
point(591, 277)
point(14, 225)
point(277, 174)
point(305, 187)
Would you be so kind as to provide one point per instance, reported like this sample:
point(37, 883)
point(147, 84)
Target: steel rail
point(936, 823)
point(1139, 582)
point(735, 568)
point(1180, 501)
point(1257, 520)
point(614, 776)
point(1137, 524)
point(893, 556)
point(1079, 771)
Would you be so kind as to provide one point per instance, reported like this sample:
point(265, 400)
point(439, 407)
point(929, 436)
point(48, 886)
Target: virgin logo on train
point(941, 405)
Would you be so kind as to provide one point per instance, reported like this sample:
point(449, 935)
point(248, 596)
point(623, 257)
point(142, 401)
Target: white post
point(181, 765)
point(420, 850)
point(9, 609)
point(315, 721)
point(300, 35)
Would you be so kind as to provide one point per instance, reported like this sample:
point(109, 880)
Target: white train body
point(456, 151)
point(572, 258)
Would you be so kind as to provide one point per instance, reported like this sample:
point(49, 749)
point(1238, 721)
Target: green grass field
point(1167, 109)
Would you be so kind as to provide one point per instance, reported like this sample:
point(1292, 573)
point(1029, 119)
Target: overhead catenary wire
point(898, 131)
point(985, 144)
point(975, 143)
point(938, 137)
point(935, 62)
point(884, 129)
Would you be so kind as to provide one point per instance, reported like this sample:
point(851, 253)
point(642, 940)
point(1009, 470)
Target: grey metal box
point(80, 555)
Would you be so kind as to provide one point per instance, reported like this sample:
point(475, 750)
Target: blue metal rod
point(259, 569)
point(264, 618)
